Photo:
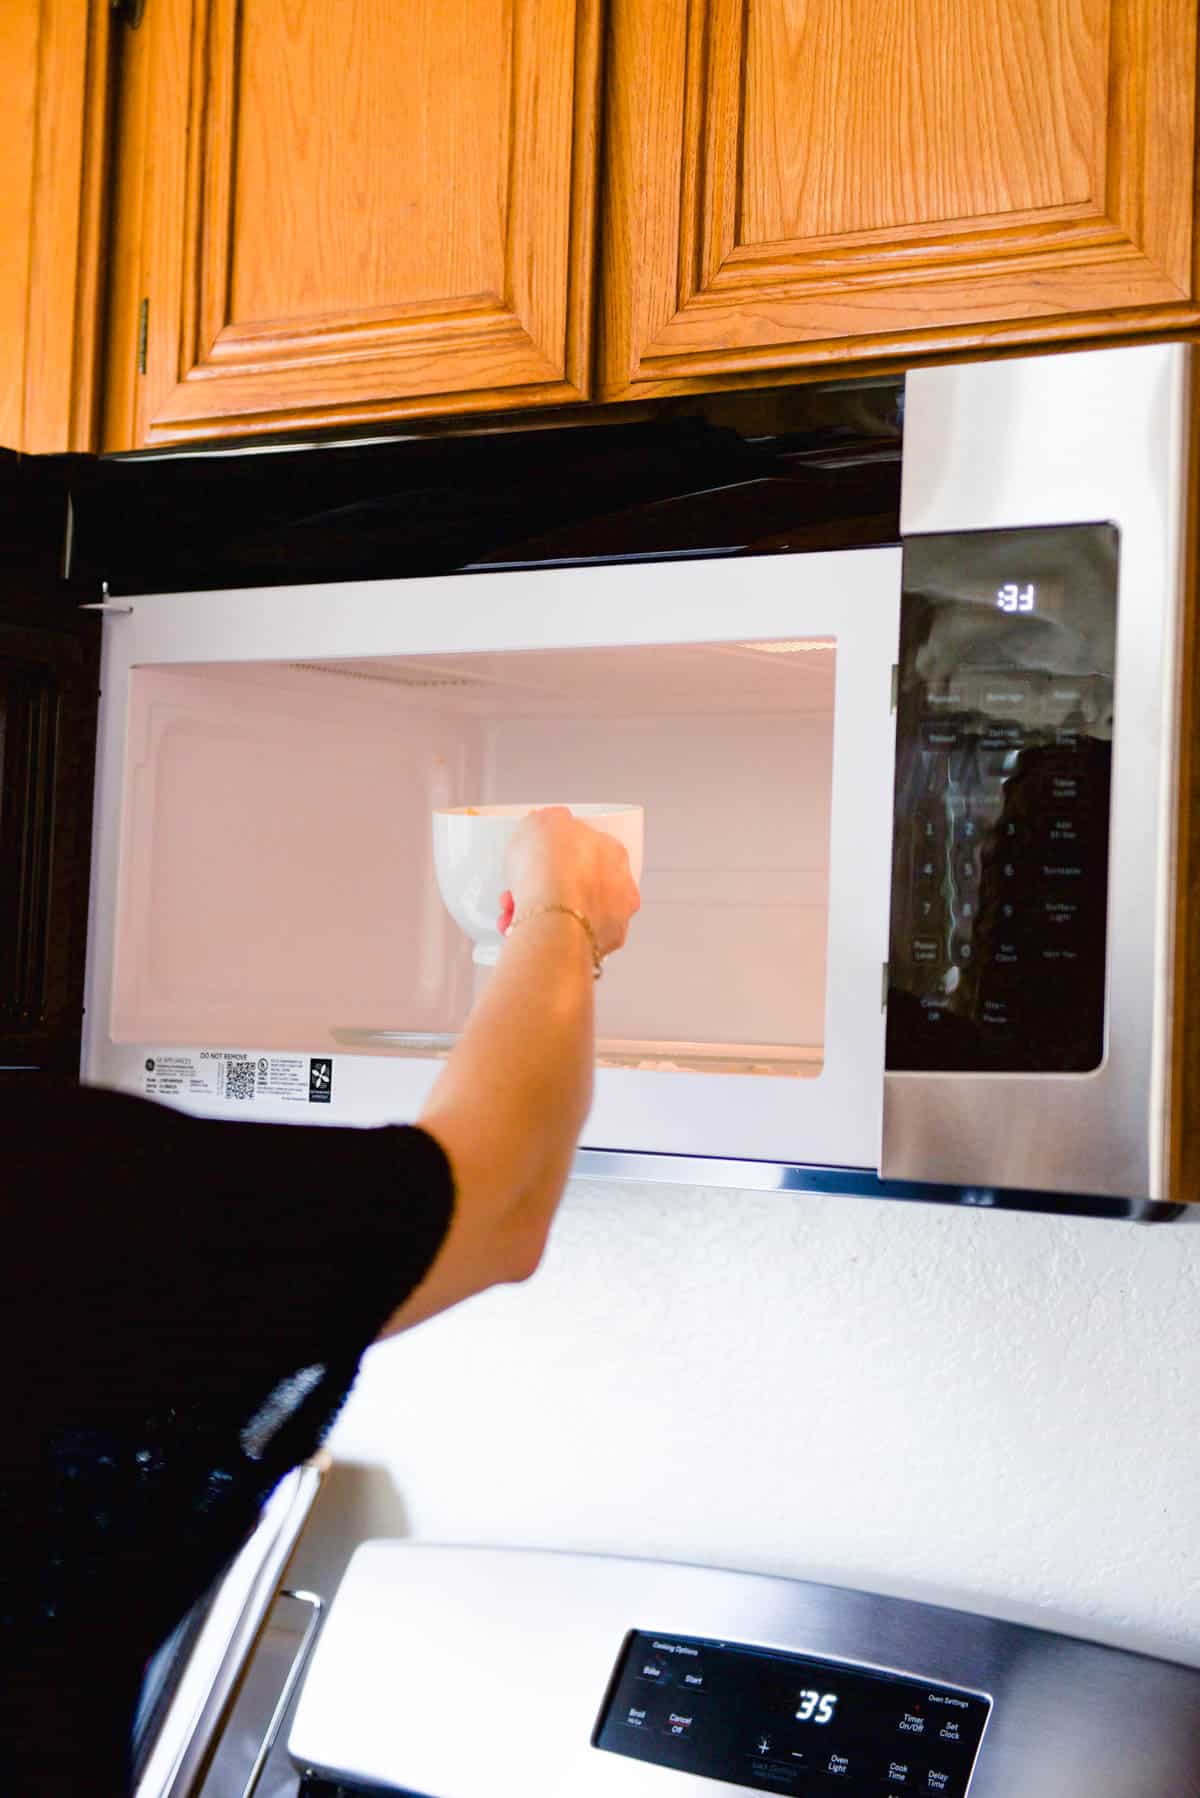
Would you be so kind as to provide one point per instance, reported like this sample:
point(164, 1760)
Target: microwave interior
point(277, 879)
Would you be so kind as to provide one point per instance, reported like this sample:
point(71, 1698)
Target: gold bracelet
point(568, 911)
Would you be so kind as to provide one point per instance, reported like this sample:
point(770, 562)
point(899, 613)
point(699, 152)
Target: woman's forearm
point(510, 1103)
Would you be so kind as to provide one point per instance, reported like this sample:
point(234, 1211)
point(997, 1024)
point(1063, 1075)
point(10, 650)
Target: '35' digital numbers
point(817, 1707)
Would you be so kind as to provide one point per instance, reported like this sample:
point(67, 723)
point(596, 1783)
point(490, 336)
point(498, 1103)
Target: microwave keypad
point(787, 1723)
point(1003, 775)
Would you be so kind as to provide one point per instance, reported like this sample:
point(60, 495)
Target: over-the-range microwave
point(918, 829)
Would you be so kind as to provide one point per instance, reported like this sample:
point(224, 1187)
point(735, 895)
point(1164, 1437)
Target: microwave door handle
point(300, 1661)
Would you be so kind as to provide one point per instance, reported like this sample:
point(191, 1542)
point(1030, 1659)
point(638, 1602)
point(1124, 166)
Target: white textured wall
point(994, 1410)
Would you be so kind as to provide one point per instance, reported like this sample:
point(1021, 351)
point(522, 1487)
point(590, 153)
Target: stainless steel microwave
point(917, 823)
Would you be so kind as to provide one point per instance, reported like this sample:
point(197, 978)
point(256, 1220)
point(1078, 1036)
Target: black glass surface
point(788, 1723)
point(768, 472)
point(1003, 778)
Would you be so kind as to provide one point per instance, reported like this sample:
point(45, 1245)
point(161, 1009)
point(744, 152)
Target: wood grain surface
point(798, 182)
point(18, 60)
point(365, 210)
point(53, 148)
point(968, 112)
point(368, 165)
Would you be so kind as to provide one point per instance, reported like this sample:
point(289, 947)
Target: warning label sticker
point(230, 1075)
point(283, 1077)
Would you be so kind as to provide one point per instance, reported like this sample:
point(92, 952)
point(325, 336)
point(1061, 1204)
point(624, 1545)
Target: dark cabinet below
point(49, 664)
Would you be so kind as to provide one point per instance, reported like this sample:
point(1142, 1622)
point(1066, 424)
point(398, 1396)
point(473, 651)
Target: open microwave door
point(267, 935)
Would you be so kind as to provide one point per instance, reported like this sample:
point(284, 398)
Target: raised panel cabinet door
point(53, 143)
point(338, 211)
point(795, 182)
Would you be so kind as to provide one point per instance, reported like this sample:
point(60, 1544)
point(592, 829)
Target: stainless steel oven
point(458, 1672)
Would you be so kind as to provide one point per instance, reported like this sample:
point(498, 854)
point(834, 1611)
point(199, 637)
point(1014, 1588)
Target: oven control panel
point(786, 1723)
point(1001, 821)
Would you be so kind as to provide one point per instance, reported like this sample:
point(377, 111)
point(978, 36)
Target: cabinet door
point(53, 138)
point(812, 181)
point(352, 211)
point(47, 742)
point(49, 665)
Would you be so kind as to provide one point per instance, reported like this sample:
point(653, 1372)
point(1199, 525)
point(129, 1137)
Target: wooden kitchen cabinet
point(351, 211)
point(54, 59)
point(805, 182)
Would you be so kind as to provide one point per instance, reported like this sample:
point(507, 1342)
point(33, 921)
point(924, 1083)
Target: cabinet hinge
point(895, 685)
point(143, 335)
point(130, 12)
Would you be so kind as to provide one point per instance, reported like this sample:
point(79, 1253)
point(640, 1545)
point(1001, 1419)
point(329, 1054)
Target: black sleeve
point(214, 1255)
point(183, 1304)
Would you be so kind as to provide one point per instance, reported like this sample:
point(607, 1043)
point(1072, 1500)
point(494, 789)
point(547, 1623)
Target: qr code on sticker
point(239, 1079)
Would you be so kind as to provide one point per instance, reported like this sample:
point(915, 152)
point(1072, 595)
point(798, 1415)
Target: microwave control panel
point(1001, 822)
point(785, 1723)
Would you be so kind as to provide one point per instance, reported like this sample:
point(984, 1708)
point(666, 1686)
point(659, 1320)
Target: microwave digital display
point(1031, 597)
point(1003, 776)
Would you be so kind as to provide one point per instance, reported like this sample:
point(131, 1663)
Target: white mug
point(469, 848)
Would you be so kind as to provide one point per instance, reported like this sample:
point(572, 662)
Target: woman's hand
point(556, 859)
